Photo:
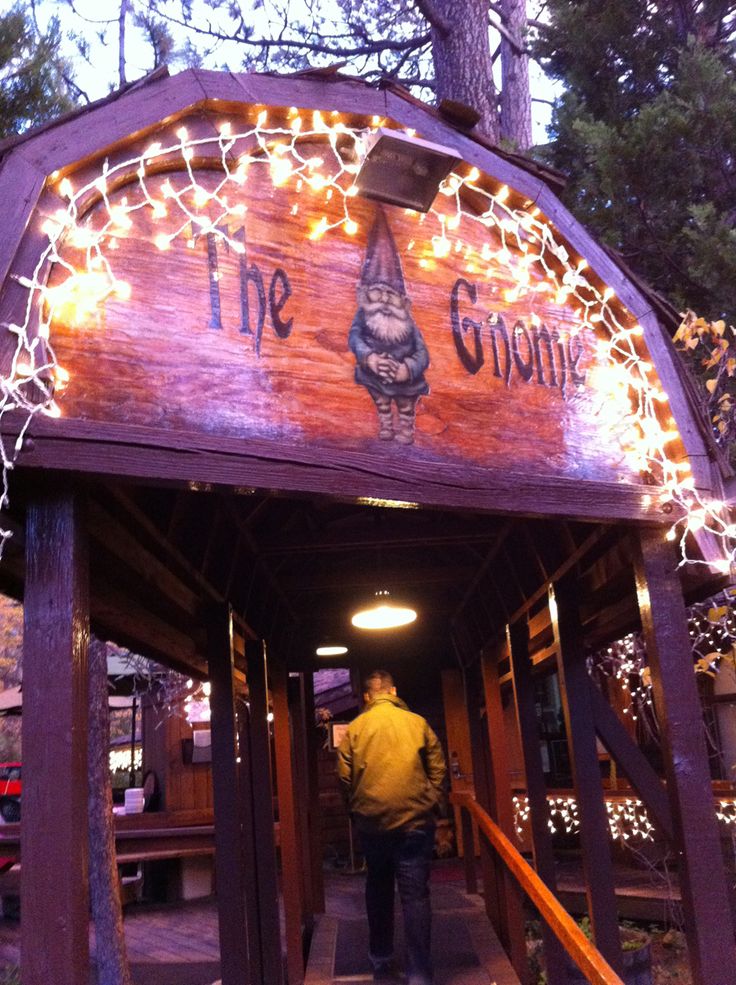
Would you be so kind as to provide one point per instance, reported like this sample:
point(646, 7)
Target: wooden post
point(291, 870)
point(302, 793)
point(595, 839)
point(502, 811)
point(262, 799)
point(315, 810)
point(54, 888)
point(708, 922)
point(458, 746)
point(229, 863)
point(536, 787)
point(250, 846)
point(490, 869)
point(471, 881)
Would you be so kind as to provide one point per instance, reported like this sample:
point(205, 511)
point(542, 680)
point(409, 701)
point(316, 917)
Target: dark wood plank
point(98, 130)
point(291, 848)
point(536, 788)
point(262, 800)
point(595, 840)
point(116, 615)
point(632, 761)
point(176, 457)
point(313, 741)
point(116, 538)
point(229, 861)
point(708, 923)
point(54, 930)
point(20, 186)
point(321, 964)
point(502, 805)
point(302, 794)
point(247, 816)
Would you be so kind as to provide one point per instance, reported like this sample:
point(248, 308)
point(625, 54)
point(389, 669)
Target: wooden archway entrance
point(170, 251)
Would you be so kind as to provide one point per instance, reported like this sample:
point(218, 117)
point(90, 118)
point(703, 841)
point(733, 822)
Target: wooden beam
point(154, 573)
point(262, 800)
point(490, 557)
point(536, 787)
point(502, 810)
point(708, 923)
point(119, 617)
point(632, 761)
point(291, 847)
point(315, 810)
point(595, 840)
point(54, 888)
point(229, 860)
point(147, 453)
point(305, 746)
point(567, 565)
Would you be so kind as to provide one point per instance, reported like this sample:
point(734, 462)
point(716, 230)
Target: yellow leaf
point(719, 327)
point(716, 614)
point(710, 385)
point(731, 365)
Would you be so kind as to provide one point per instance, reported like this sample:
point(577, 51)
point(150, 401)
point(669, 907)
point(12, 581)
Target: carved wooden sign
point(362, 342)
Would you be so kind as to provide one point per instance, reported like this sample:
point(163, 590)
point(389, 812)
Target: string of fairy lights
point(712, 629)
point(319, 156)
point(627, 817)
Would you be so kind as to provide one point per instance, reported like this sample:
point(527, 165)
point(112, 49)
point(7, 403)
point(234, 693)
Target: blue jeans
point(403, 857)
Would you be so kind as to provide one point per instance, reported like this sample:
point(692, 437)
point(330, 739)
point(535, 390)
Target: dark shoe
point(385, 972)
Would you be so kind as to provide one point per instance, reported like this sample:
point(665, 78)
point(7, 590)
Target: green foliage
point(32, 73)
point(646, 130)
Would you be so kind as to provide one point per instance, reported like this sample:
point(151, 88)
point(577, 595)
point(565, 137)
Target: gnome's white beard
point(390, 328)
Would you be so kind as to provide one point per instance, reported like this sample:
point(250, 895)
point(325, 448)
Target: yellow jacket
point(392, 767)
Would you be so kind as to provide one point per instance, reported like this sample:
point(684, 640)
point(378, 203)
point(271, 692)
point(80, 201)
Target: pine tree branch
point(430, 13)
point(317, 47)
point(499, 26)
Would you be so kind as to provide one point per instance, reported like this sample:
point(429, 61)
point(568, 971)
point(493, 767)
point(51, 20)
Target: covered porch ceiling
point(296, 568)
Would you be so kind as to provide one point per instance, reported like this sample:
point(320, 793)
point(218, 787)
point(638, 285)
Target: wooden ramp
point(465, 949)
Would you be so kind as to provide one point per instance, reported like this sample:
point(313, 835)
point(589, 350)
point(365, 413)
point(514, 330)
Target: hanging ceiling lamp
point(331, 650)
point(383, 614)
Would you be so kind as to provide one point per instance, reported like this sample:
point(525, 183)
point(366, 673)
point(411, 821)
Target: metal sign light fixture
point(403, 170)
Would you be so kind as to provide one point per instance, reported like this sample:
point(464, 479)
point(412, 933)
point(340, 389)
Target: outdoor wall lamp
point(384, 614)
point(403, 170)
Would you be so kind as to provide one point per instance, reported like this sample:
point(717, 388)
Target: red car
point(10, 790)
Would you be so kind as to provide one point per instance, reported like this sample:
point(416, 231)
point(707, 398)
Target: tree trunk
point(516, 103)
point(462, 58)
point(122, 18)
point(107, 911)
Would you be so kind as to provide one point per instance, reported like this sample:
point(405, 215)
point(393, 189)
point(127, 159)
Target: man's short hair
point(378, 682)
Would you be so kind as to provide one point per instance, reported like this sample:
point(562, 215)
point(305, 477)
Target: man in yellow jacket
point(393, 770)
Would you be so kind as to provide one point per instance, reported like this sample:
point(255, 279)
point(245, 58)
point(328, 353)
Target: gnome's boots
point(407, 413)
point(385, 416)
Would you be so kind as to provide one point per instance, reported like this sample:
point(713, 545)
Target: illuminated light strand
point(526, 244)
point(627, 817)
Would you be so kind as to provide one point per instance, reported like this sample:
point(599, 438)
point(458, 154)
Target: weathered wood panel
point(266, 335)
point(54, 888)
point(708, 923)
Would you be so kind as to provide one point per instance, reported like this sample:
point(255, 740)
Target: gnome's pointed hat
point(382, 264)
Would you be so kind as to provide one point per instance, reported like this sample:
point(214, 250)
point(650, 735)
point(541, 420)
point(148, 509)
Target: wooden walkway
point(177, 944)
point(464, 948)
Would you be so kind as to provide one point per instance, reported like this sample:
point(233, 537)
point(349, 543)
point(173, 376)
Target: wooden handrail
point(590, 961)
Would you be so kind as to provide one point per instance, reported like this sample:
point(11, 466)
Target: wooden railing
point(581, 951)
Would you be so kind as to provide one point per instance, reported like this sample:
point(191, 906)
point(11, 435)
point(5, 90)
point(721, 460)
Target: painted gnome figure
point(389, 349)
